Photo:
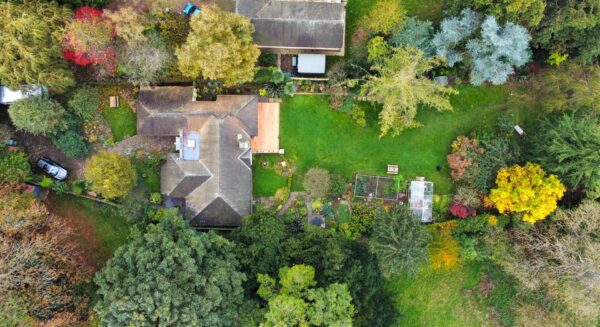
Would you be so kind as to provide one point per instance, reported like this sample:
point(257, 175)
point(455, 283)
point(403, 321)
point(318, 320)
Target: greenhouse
point(421, 199)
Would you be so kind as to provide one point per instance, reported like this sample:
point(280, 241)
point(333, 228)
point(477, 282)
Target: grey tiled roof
point(217, 188)
point(296, 24)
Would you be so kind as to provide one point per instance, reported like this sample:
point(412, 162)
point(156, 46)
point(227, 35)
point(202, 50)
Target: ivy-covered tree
point(571, 27)
point(170, 275)
point(31, 45)
point(525, 12)
point(110, 174)
point(400, 84)
point(294, 302)
point(219, 47)
point(569, 146)
point(399, 241)
point(38, 115)
point(492, 51)
point(528, 191)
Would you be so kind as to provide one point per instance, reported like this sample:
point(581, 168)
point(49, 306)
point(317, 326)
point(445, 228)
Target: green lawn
point(313, 135)
point(266, 180)
point(109, 229)
point(440, 298)
point(149, 175)
point(122, 121)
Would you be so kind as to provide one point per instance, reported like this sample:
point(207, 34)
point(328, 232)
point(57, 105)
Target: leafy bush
point(38, 115)
point(461, 160)
point(156, 198)
point(338, 185)
point(84, 102)
point(60, 187)
point(79, 187)
point(444, 251)
point(360, 222)
point(71, 144)
point(498, 152)
point(317, 182)
point(462, 211)
point(384, 17)
point(468, 196)
point(14, 167)
point(110, 174)
point(46, 182)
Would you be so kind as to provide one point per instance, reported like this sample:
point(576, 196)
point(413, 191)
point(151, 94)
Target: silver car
point(52, 168)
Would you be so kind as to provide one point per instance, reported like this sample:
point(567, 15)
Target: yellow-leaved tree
point(110, 174)
point(527, 190)
point(219, 47)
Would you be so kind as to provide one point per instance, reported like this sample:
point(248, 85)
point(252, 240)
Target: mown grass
point(440, 298)
point(122, 121)
point(313, 135)
point(266, 180)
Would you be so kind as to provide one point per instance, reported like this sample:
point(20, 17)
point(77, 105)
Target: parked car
point(52, 168)
point(12, 142)
point(8, 96)
point(191, 10)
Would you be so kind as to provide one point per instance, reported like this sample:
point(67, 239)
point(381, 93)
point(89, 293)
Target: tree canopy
point(528, 191)
point(170, 275)
point(294, 302)
point(110, 174)
point(31, 45)
point(571, 27)
point(400, 241)
point(400, 84)
point(38, 115)
point(525, 12)
point(569, 146)
point(219, 47)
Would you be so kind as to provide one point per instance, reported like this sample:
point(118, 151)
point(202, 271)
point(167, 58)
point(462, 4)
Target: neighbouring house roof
point(300, 24)
point(217, 187)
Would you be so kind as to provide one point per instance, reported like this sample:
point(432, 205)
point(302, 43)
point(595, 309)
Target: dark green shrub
point(267, 59)
point(84, 102)
point(60, 187)
point(38, 115)
point(71, 144)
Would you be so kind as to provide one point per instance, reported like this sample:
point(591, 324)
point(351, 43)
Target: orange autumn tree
point(527, 190)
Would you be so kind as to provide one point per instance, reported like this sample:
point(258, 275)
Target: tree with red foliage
point(88, 40)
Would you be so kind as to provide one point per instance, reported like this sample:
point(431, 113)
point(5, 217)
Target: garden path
point(290, 202)
point(148, 143)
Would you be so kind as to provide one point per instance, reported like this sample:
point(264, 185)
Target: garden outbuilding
point(420, 199)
